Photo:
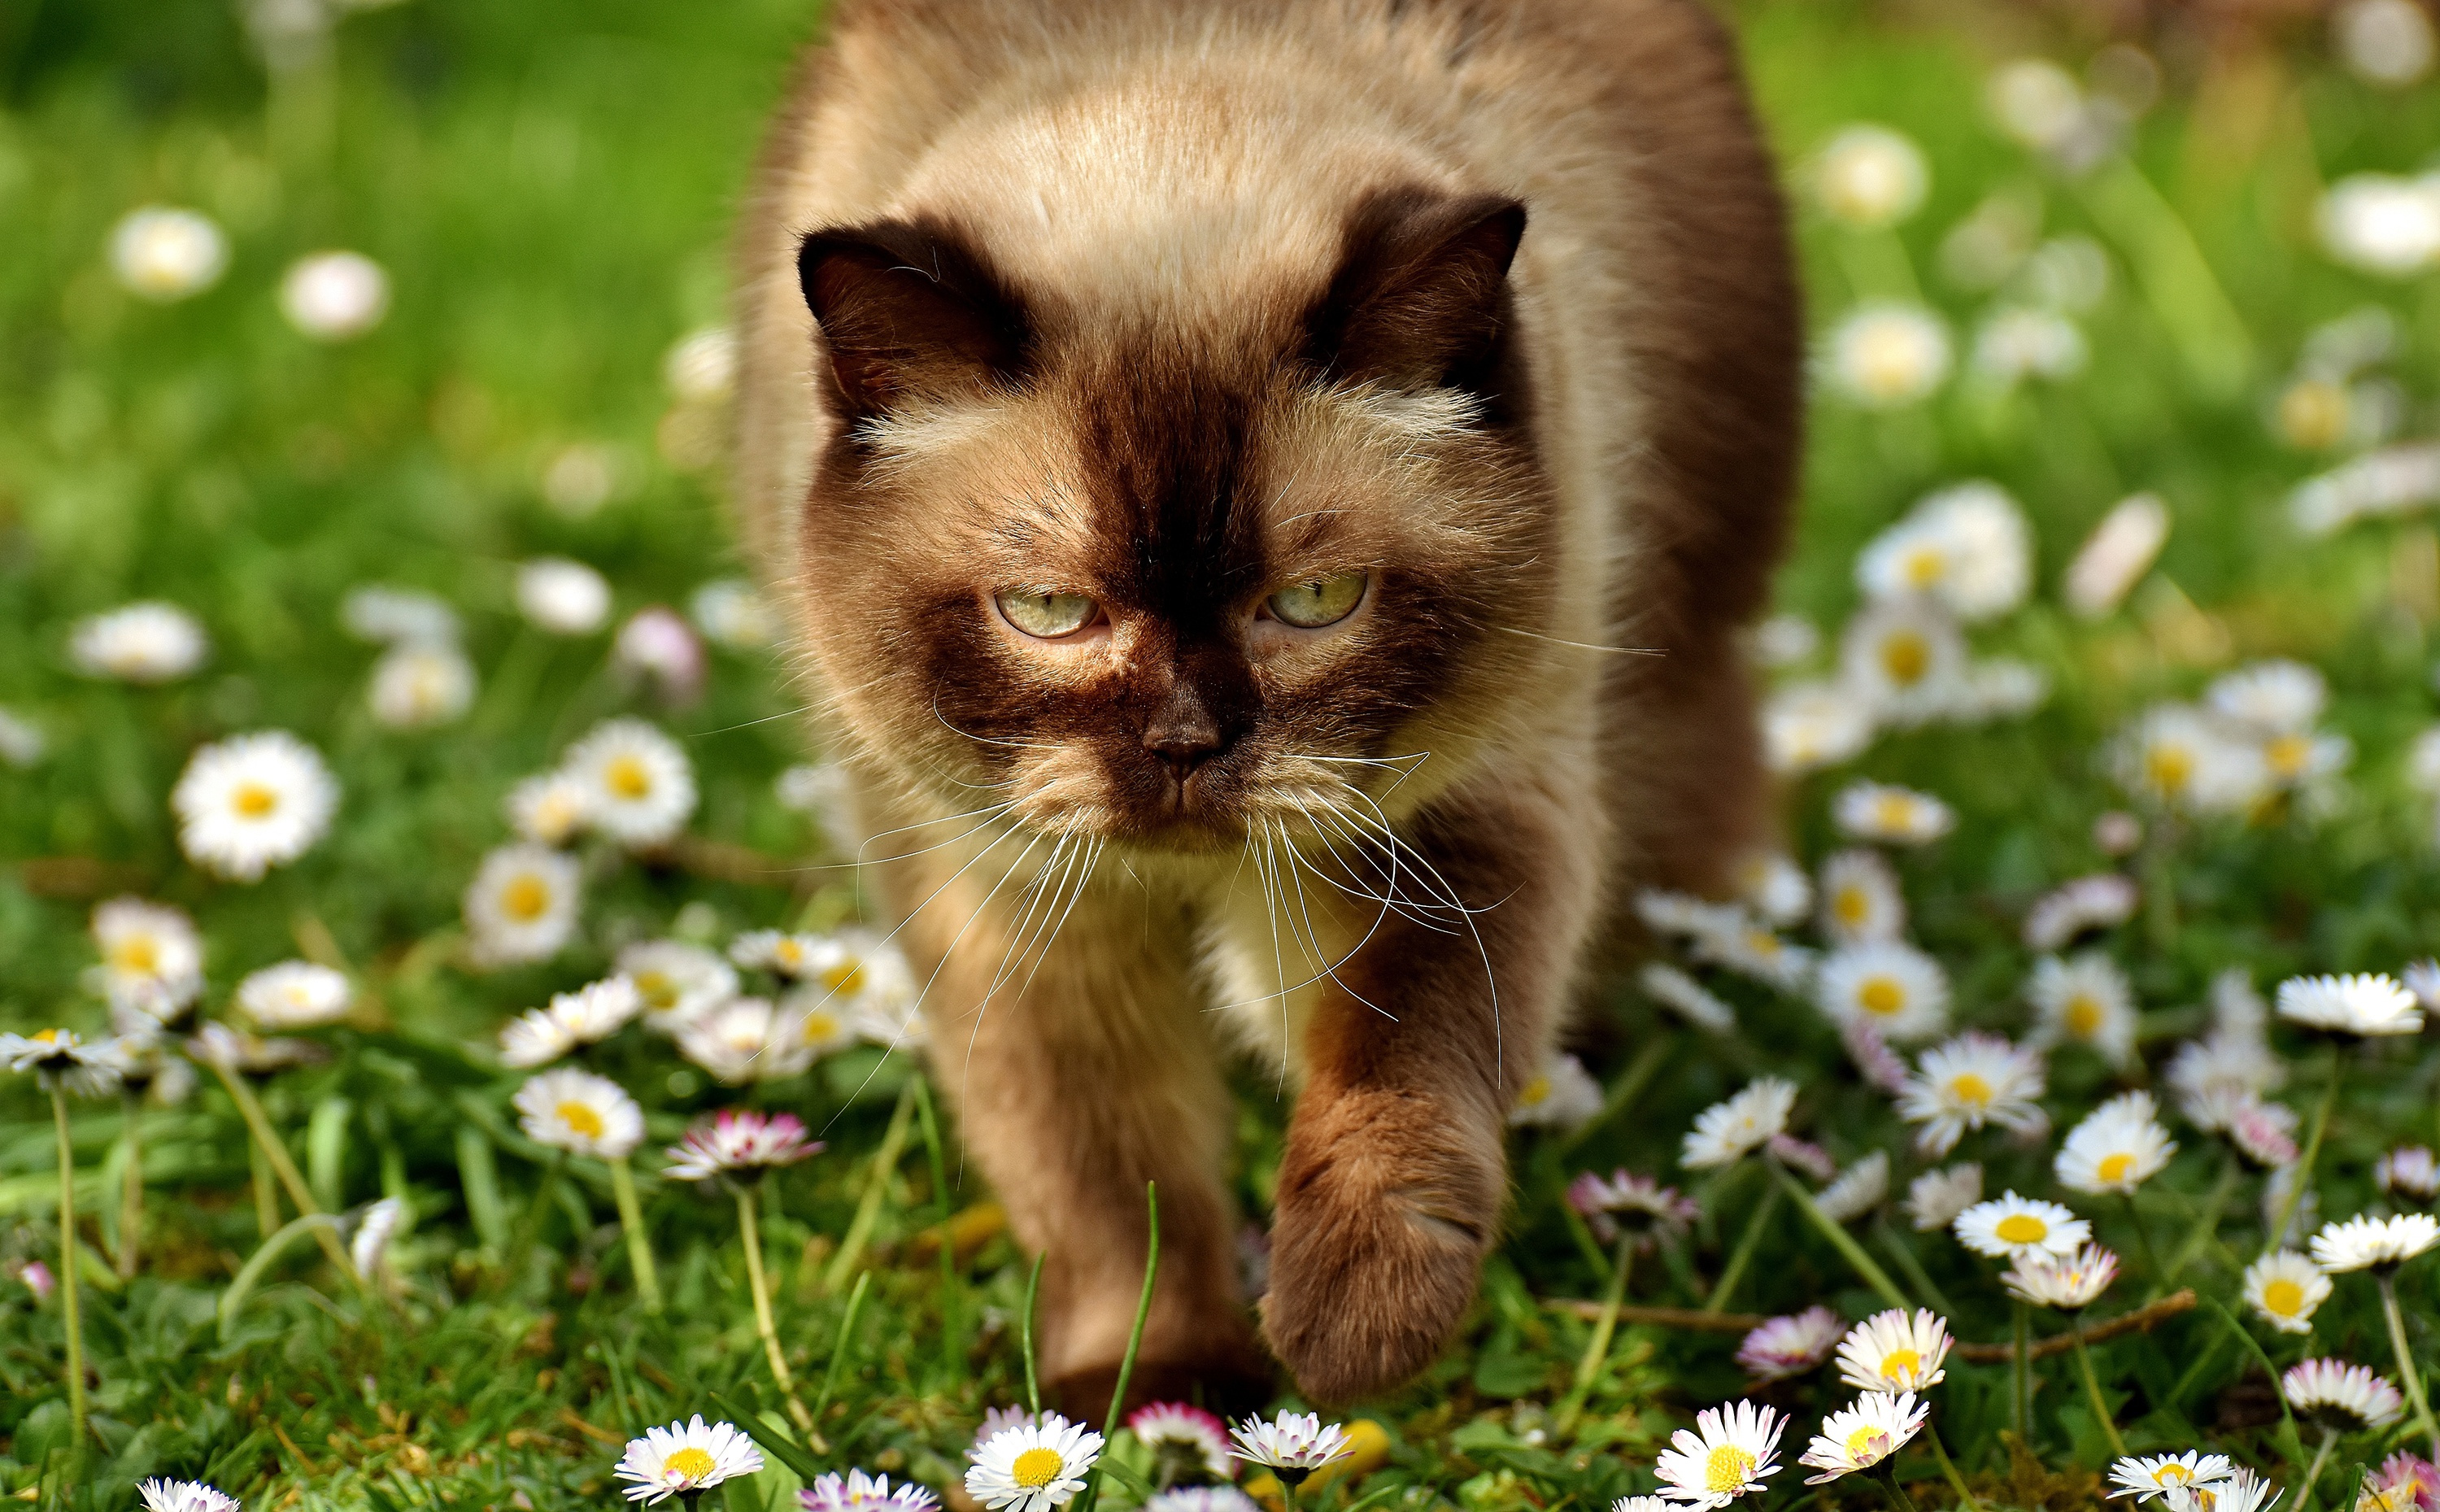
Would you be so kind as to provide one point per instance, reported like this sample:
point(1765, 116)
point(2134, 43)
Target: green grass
point(548, 184)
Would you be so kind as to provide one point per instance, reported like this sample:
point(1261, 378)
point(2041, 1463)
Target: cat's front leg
point(1394, 1175)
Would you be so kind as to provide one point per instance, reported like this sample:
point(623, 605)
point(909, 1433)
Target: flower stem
point(2024, 1375)
point(2405, 1369)
point(2313, 1471)
point(2092, 1387)
point(69, 1265)
point(1949, 1467)
point(131, 1206)
point(1751, 1241)
point(275, 1154)
point(2302, 1176)
point(2143, 1243)
point(1843, 1241)
point(751, 1232)
point(640, 1243)
point(266, 1192)
point(1025, 1335)
point(1597, 1348)
point(1899, 1501)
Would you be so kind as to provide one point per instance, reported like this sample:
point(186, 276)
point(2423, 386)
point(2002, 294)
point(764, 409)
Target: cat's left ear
point(908, 313)
point(1421, 290)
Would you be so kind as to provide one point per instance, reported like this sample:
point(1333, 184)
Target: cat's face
point(1168, 592)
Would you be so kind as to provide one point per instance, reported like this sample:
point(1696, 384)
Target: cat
point(1263, 495)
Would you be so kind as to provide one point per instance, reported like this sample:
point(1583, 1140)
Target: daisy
point(2265, 1132)
point(2102, 901)
point(1891, 1351)
point(579, 1112)
point(152, 958)
point(1804, 1154)
point(252, 802)
point(563, 596)
point(656, 647)
point(2381, 224)
point(1292, 1445)
point(23, 744)
point(1727, 1131)
point(2375, 1244)
point(1970, 1081)
point(1193, 1437)
point(732, 616)
point(2403, 1484)
point(2116, 555)
point(368, 1246)
point(1562, 1095)
point(677, 981)
point(1874, 1060)
point(2119, 1146)
point(2366, 1003)
point(2269, 698)
point(641, 789)
point(586, 1016)
point(774, 950)
point(1209, 1499)
point(701, 366)
point(217, 1044)
point(1904, 662)
point(742, 1140)
point(2216, 1076)
point(1859, 1189)
point(295, 995)
point(1966, 549)
point(164, 253)
point(996, 1420)
point(391, 615)
point(1730, 1453)
point(2182, 757)
point(521, 905)
point(334, 295)
point(2286, 1289)
point(421, 685)
point(184, 1496)
point(859, 1492)
point(2348, 1398)
point(1888, 355)
point(2084, 999)
point(1892, 815)
point(2009, 1225)
point(2018, 342)
point(1774, 887)
point(2387, 43)
point(2069, 1283)
point(549, 809)
point(2116, 831)
point(1936, 1197)
point(1808, 726)
point(1859, 1437)
point(1033, 1465)
point(2422, 978)
point(1861, 901)
point(1782, 1347)
point(1897, 988)
point(1727, 936)
point(1625, 1203)
point(86, 1068)
point(2243, 1491)
point(2408, 1171)
point(745, 1039)
point(2000, 688)
point(1672, 988)
point(1642, 1504)
point(142, 642)
point(2147, 1476)
point(1870, 176)
point(686, 1459)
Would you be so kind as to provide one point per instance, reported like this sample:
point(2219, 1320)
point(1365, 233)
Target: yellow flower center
point(1763, 943)
point(138, 954)
point(2169, 769)
point(2313, 414)
point(45, 1036)
point(2171, 1475)
point(525, 898)
point(1881, 994)
point(1900, 1365)
point(2083, 1016)
point(1851, 907)
point(1970, 1090)
point(2282, 1297)
point(2023, 1228)
point(1536, 1090)
point(253, 800)
point(2288, 754)
point(2114, 1167)
point(658, 988)
point(1924, 568)
point(691, 1462)
point(788, 953)
point(1895, 813)
point(1728, 1469)
point(580, 1119)
point(1037, 1467)
point(628, 778)
point(1866, 1444)
point(1906, 655)
point(818, 1027)
point(848, 976)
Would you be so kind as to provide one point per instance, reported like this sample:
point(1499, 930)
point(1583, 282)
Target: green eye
point(1325, 601)
point(1048, 616)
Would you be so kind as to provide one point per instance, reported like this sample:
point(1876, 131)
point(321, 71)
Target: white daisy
point(2380, 224)
point(1782, 641)
point(2037, 103)
point(2409, 1171)
point(2118, 553)
point(1869, 177)
point(1730, 1453)
point(2337, 1395)
point(142, 642)
point(1936, 1197)
point(1861, 1188)
point(745, 1039)
point(2387, 43)
point(577, 1112)
point(1667, 985)
point(391, 616)
point(534, 1037)
point(369, 1245)
point(701, 366)
point(1561, 1095)
point(2119, 1146)
point(549, 809)
point(2217, 1077)
point(677, 981)
point(1897, 988)
point(641, 789)
point(522, 903)
point(1904, 661)
point(859, 1492)
point(822, 1019)
point(742, 1140)
point(2267, 698)
point(2375, 1244)
point(1727, 1131)
point(656, 648)
point(1875, 1062)
point(252, 802)
point(586, 1016)
point(564, 597)
point(2183, 758)
point(334, 295)
point(2404, 1483)
point(776, 952)
point(184, 1496)
point(2366, 1003)
point(685, 1458)
point(1292, 1445)
point(2070, 1283)
point(1783, 1347)
point(1888, 355)
point(1642, 1504)
point(1892, 815)
point(2286, 1289)
point(295, 994)
point(164, 253)
point(2265, 1132)
point(1970, 1081)
point(1727, 936)
point(2101, 901)
point(1033, 1465)
point(1808, 726)
point(2147, 1476)
point(2009, 1225)
point(2243, 1491)
point(1861, 903)
point(1184, 1433)
point(86, 1068)
point(1965, 547)
point(2018, 342)
point(1625, 1203)
point(2000, 688)
point(2422, 978)
point(1859, 1437)
point(1893, 1351)
point(1775, 888)
point(152, 958)
point(418, 685)
point(23, 744)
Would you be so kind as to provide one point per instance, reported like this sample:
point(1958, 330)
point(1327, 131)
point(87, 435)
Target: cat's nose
point(1182, 736)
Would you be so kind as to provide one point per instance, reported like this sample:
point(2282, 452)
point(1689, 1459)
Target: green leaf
point(775, 1444)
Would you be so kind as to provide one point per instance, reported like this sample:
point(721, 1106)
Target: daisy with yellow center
point(640, 787)
point(152, 958)
point(677, 981)
point(1889, 815)
point(685, 1460)
point(2119, 1147)
point(1897, 989)
point(2285, 1289)
point(1888, 355)
point(1729, 1453)
point(1965, 1082)
point(1860, 900)
point(1033, 1465)
point(1561, 1095)
point(2147, 1476)
point(549, 809)
point(1865, 1434)
point(2084, 999)
point(1895, 1351)
point(2009, 1225)
point(252, 802)
point(522, 904)
point(1904, 662)
point(585, 1114)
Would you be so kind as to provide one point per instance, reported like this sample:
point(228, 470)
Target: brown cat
point(1212, 452)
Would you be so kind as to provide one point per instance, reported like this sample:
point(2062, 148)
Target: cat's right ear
point(907, 313)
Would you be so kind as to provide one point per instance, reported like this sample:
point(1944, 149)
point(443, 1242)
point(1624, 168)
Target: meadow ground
point(2188, 287)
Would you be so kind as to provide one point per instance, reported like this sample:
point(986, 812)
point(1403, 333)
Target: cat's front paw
point(1377, 1248)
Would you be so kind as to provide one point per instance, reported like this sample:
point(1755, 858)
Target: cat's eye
point(1323, 601)
point(1047, 616)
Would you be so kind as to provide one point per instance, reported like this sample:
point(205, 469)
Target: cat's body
point(1201, 315)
